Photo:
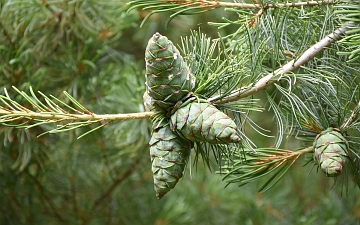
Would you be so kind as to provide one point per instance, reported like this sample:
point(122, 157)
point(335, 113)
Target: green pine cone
point(168, 77)
point(200, 121)
point(169, 154)
point(331, 150)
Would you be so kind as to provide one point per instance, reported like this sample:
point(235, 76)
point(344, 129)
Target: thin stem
point(354, 115)
point(291, 66)
point(217, 4)
point(303, 151)
point(285, 156)
point(6, 33)
point(6, 114)
point(48, 200)
point(132, 168)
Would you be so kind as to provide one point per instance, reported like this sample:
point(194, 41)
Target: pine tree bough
point(291, 66)
point(200, 121)
point(268, 6)
point(168, 78)
point(331, 151)
point(169, 154)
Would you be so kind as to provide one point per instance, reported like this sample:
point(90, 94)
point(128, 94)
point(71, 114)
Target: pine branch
point(55, 111)
point(52, 112)
point(188, 7)
point(265, 6)
point(291, 66)
point(54, 117)
point(218, 4)
point(252, 165)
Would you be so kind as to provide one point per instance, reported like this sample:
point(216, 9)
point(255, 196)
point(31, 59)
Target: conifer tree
point(89, 128)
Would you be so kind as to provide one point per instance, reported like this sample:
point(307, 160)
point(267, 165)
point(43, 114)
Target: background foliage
point(94, 50)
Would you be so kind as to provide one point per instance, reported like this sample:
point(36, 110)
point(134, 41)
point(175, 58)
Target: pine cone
point(168, 154)
point(200, 121)
point(331, 151)
point(168, 77)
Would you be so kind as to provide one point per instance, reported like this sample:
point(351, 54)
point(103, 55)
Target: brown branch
point(6, 34)
point(74, 197)
point(116, 182)
point(47, 199)
point(101, 145)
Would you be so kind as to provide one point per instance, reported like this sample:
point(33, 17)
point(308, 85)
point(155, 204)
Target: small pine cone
point(169, 154)
point(331, 151)
point(200, 121)
point(168, 77)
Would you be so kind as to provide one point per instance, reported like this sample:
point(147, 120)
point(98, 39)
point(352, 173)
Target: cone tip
point(159, 195)
point(235, 138)
point(157, 36)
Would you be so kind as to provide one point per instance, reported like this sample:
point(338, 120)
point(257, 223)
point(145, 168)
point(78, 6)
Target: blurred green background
point(95, 51)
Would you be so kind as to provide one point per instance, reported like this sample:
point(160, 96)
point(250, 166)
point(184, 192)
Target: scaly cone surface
point(169, 154)
point(200, 121)
point(168, 78)
point(331, 150)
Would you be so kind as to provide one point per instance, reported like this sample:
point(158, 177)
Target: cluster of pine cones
point(188, 118)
